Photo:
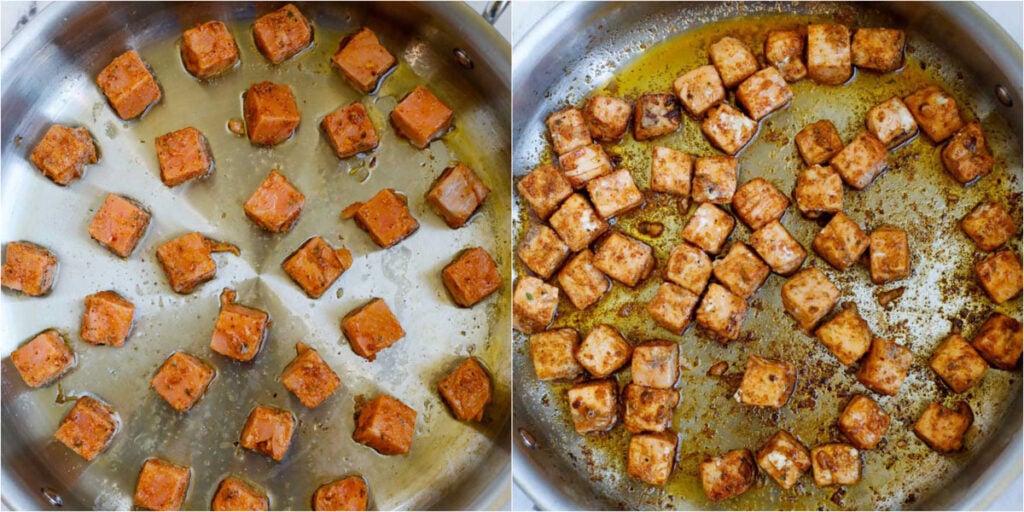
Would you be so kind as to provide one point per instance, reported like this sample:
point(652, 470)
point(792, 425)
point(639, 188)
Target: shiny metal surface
point(583, 47)
point(48, 76)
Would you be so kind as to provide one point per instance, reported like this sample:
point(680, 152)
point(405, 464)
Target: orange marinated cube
point(187, 260)
point(107, 319)
point(1001, 275)
point(129, 85)
point(371, 328)
point(846, 335)
point(728, 475)
point(30, 269)
point(43, 359)
point(350, 131)
point(184, 155)
point(688, 267)
point(234, 494)
point(162, 485)
point(276, 205)
point(614, 193)
point(308, 377)
point(88, 427)
point(63, 153)
point(282, 34)
point(943, 428)
point(385, 217)
point(316, 265)
point(268, 431)
point(240, 330)
point(182, 380)
point(386, 425)
point(714, 179)
point(208, 49)
point(584, 164)
point(363, 60)
point(457, 194)
point(471, 277)
point(466, 390)
point(271, 115)
point(421, 117)
point(818, 190)
point(861, 160)
point(577, 223)
point(999, 341)
point(671, 171)
point(764, 92)
point(119, 225)
point(345, 494)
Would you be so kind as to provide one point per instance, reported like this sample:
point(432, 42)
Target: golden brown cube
point(583, 283)
point(728, 475)
point(740, 270)
point(709, 228)
point(235, 494)
point(885, 367)
point(829, 60)
point(533, 305)
point(989, 225)
point(671, 171)
point(766, 383)
point(727, 128)
point(846, 335)
point(363, 60)
point(607, 117)
point(819, 190)
point(471, 277)
point(544, 189)
point(208, 49)
point(841, 242)
point(43, 359)
point(119, 224)
point(282, 34)
point(183, 155)
point(107, 319)
point(308, 377)
point(784, 49)
point(614, 194)
point(63, 153)
point(699, 89)
point(603, 351)
point(656, 364)
point(316, 265)
point(942, 428)
point(889, 254)
point(240, 330)
point(466, 390)
point(758, 202)
point(348, 493)
point(808, 296)
point(784, 458)
point(88, 427)
point(863, 422)
point(864, 158)
point(818, 142)
point(891, 122)
point(568, 130)
point(936, 112)
point(655, 115)
point(835, 464)
point(688, 267)
point(554, 354)
point(648, 409)
point(577, 223)
point(386, 425)
point(672, 307)
point(594, 405)
point(722, 312)
point(967, 156)
point(182, 380)
point(878, 49)
point(999, 341)
point(778, 248)
point(129, 85)
point(958, 363)
point(764, 92)
point(584, 164)
point(733, 60)
point(1001, 275)
point(714, 179)
point(624, 259)
point(542, 251)
point(651, 457)
point(161, 485)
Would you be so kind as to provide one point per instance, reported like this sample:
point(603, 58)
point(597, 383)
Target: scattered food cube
point(568, 130)
point(345, 494)
point(349, 130)
point(363, 60)
point(999, 341)
point(371, 328)
point(764, 92)
point(841, 242)
point(727, 128)
point(235, 494)
point(846, 335)
point(43, 359)
point(835, 464)
point(577, 223)
point(63, 153)
point(276, 205)
point(1001, 275)
point(187, 260)
point(778, 248)
point(471, 277)
point(386, 425)
point(271, 115)
point(30, 269)
point(819, 190)
point(183, 155)
point(818, 142)
point(161, 485)
point(989, 225)
point(603, 351)
point(651, 457)
point(863, 422)
point(958, 363)
point(129, 85)
point(614, 194)
point(88, 427)
point(648, 409)
point(935, 111)
point(766, 383)
point(308, 377)
point(421, 117)
point(784, 49)
point(544, 189)
point(457, 194)
point(466, 390)
point(722, 312)
point(182, 380)
point(240, 330)
point(208, 49)
point(119, 224)
point(967, 156)
point(891, 122)
point(624, 259)
point(607, 117)
point(741, 271)
point(784, 458)
point(889, 254)
point(107, 319)
point(582, 282)
point(385, 217)
point(554, 354)
point(942, 428)
point(885, 367)
point(733, 60)
point(655, 115)
point(758, 202)
point(316, 265)
point(533, 305)
point(671, 171)
point(282, 34)
point(268, 431)
point(864, 158)
point(714, 179)
point(808, 296)
point(656, 364)
point(542, 251)
point(688, 267)
point(584, 164)
point(709, 228)
point(878, 49)
point(829, 60)
point(672, 307)
point(594, 405)
point(728, 475)
point(699, 89)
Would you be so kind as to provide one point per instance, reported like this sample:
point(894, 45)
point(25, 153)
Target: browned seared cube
point(863, 422)
point(655, 115)
point(846, 335)
point(63, 153)
point(187, 260)
point(861, 160)
point(829, 60)
point(240, 330)
point(835, 464)
point(714, 179)
point(276, 205)
point(1001, 275)
point(766, 383)
point(709, 228)
point(688, 267)
point(466, 390)
point(544, 189)
point(421, 117)
point(533, 305)
point(184, 155)
point(385, 217)
point(594, 405)
point(457, 194)
point(582, 282)
point(885, 367)
point(316, 265)
point(999, 341)
point(778, 248)
point(967, 156)
point(182, 380)
point(841, 242)
point(958, 363)
point(603, 351)
point(733, 60)
point(819, 190)
point(808, 296)
point(784, 458)
point(235, 494)
point(818, 142)
point(624, 259)
point(727, 128)
point(362, 59)
point(345, 494)
point(989, 225)
point(161, 485)
point(43, 359)
point(651, 457)
point(890, 254)
point(942, 428)
point(607, 117)
point(349, 130)
point(129, 85)
point(268, 431)
point(119, 225)
point(107, 319)
point(671, 171)
point(208, 49)
point(758, 202)
point(88, 427)
point(648, 409)
point(584, 164)
point(542, 251)
point(577, 223)
point(282, 34)
point(553, 354)
point(271, 115)
point(784, 49)
point(386, 425)
point(935, 111)
point(891, 122)
point(672, 307)
point(371, 328)
point(699, 89)
point(764, 92)
point(568, 130)
point(740, 270)
point(614, 194)
point(308, 377)
point(656, 364)
point(722, 312)
point(878, 49)
point(728, 475)
point(471, 277)
point(30, 269)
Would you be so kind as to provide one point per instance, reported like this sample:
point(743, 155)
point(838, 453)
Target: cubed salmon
point(308, 377)
point(43, 359)
point(184, 155)
point(182, 380)
point(346, 494)
point(30, 269)
point(371, 328)
point(471, 277)
point(63, 153)
point(107, 319)
point(386, 425)
point(271, 115)
point(268, 431)
point(187, 260)
point(363, 60)
point(467, 390)
point(282, 34)
point(276, 205)
point(161, 485)
point(119, 224)
point(88, 427)
point(208, 49)
point(235, 494)
point(421, 117)
point(316, 265)
point(350, 131)
point(457, 194)
point(385, 217)
point(240, 330)
point(129, 85)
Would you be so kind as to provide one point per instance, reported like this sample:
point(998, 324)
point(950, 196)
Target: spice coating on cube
point(63, 153)
point(829, 59)
point(183, 155)
point(889, 254)
point(107, 319)
point(709, 228)
point(878, 49)
point(778, 248)
point(891, 122)
point(835, 464)
point(672, 307)
point(688, 267)
point(733, 60)
point(187, 260)
point(989, 225)
point(656, 364)
point(129, 85)
point(943, 428)
point(935, 111)
point(29, 269)
point(533, 305)
point(43, 359)
point(648, 409)
point(863, 422)
point(182, 380)
point(161, 485)
point(577, 223)
point(594, 405)
point(671, 171)
point(584, 164)
point(727, 128)
point(544, 189)
point(998, 340)
point(722, 312)
point(457, 194)
point(346, 494)
point(885, 367)
point(568, 130)
point(308, 377)
point(758, 202)
point(764, 92)
point(268, 431)
point(240, 330)
point(271, 115)
point(583, 283)
point(235, 494)
point(554, 354)
point(841, 242)
point(119, 225)
point(282, 34)
point(603, 351)
point(276, 205)
point(808, 296)
point(864, 158)
point(542, 251)
point(421, 117)
point(655, 115)
point(624, 259)
point(699, 89)
point(363, 60)
point(316, 265)
point(819, 190)
point(740, 270)
point(728, 475)
point(958, 363)
point(784, 458)
point(714, 179)
point(88, 427)
point(471, 277)
point(766, 383)
point(818, 142)
point(208, 49)
point(466, 390)
point(846, 335)
point(784, 49)
point(607, 117)
point(1001, 275)
point(350, 131)
point(385, 217)
point(386, 425)
point(651, 457)
point(614, 194)
point(371, 328)
point(967, 156)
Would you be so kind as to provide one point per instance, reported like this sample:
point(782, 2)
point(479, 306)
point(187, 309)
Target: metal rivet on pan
point(1003, 95)
point(52, 496)
point(528, 439)
point(463, 59)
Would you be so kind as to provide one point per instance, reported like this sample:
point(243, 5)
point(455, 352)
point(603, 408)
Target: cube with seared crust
point(119, 224)
point(878, 49)
point(841, 242)
point(764, 92)
point(349, 493)
point(651, 457)
point(648, 409)
point(43, 359)
point(942, 428)
point(282, 34)
point(466, 390)
point(607, 117)
point(958, 363)
point(349, 130)
point(583, 283)
point(709, 228)
point(829, 60)
point(885, 367)
point(533, 305)
point(863, 422)
point(162, 485)
point(183, 155)
point(808, 296)
point(891, 122)
point(107, 319)
point(861, 160)
point(542, 251)
point(656, 114)
point(778, 248)
point(187, 260)
point(784, 458)
point(819, 190)
point(835, 464)
point(741, 270)
point(276, 205)
point(315, 266)
point(271, 114)
point(362, 59)
point(624, 259)
point(936, 112)
point(386, 425)
point(989, 225)
point(308, 377)
point(63, 153)
point(577, 223)
point(208, 49)
point(766, 383)
point(758, 202)
point(818, 142)
point(129, 85)
point(421, 117)
point(614, 194)
point(889, 254)
point(721, 312)
point(656, 364)
point(733, 60)
point(235, 494)
point(568, 130)
point(998, 340)
point(544, 189)
point(699, 89)
point(371, 328)
point(603, 351)
point(846, 335)
point(671, 171)
point(240, 330)
point(594, 405)
point(688, 267)
point(584, 164)
point(471, 277)
point(727, 128)
point(714, 179)
point(1001, 275)
point(182, 380)
point(728, 475)
point(554, 354)
point(88, 427)
point(784, 49)
point(672, 307)
point(967, 156)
